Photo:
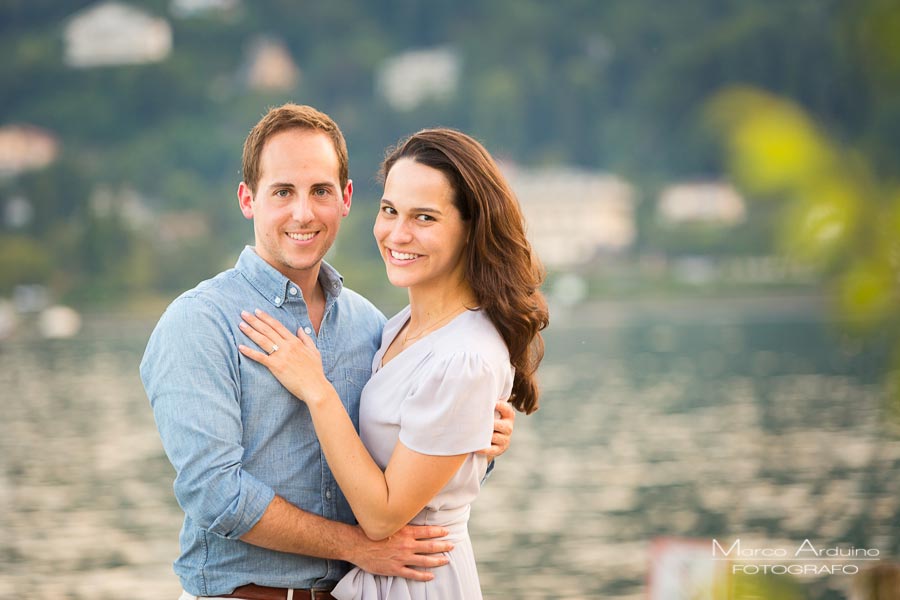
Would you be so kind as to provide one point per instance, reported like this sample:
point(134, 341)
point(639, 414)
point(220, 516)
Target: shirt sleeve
point(451, 411)
point(191, 376)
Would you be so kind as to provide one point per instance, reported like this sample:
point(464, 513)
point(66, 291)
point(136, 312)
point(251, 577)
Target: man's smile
point(301, 237)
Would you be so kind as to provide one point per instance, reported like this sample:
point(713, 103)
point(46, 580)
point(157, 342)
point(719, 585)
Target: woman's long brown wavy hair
point(501, 268)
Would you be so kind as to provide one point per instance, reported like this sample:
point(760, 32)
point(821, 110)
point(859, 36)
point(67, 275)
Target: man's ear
point(245, 200)
point(347, 199)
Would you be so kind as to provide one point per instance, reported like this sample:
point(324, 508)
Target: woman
point(450, 231)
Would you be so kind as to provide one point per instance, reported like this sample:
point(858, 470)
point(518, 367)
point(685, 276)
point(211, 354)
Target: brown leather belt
point(261, 592)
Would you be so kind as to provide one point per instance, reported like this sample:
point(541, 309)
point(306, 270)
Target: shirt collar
point(273, 285)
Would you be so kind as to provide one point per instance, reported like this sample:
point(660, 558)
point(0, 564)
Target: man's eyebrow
point(281, 184)
point(290, 186)
point(423, 209)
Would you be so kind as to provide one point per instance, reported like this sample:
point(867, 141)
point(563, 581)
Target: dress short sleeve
point(451, 411)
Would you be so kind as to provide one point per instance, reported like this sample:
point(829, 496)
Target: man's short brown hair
point(289, 116)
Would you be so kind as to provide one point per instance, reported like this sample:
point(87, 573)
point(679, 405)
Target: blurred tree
point(758, 586)
point(614, 86)
point(841, 208)
point(22, 261)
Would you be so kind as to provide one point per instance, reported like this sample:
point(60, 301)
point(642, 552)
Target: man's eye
point(388, 210)
point(282, 193)
point(321, 192)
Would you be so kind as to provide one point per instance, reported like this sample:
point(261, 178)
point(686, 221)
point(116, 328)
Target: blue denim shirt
point(236, 436)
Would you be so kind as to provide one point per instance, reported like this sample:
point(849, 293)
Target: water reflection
point(750, 421)
point(87, 509)
point(756, 424)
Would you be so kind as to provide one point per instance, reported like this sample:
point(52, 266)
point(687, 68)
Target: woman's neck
point(428, 306)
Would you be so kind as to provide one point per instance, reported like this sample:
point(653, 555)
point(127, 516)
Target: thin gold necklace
point(407, 338)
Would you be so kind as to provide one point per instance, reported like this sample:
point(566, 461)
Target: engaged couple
point(321, 451)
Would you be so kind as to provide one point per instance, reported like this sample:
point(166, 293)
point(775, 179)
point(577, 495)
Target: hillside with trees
point(621, 87)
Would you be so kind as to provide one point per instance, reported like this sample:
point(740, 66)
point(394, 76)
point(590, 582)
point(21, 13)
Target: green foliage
point(618, 86)
point(22, 261)
point(837, 216)
point(756, 586)
point(841, 207)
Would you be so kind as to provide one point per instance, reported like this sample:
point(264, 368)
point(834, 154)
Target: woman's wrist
point(322, 396)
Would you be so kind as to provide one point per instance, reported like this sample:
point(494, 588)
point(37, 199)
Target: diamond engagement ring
point(273, 350)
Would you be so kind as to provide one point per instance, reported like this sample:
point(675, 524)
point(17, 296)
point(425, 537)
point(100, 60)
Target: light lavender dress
point(437, 397)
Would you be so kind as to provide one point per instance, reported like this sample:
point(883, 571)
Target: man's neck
point(308, 282)
point(313, 295)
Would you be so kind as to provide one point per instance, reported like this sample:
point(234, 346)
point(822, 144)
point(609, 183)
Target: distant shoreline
point(139, 318)
point(768, 307)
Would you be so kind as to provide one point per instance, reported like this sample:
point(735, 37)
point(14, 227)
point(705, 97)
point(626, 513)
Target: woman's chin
point(400, 280)
point(398, 283)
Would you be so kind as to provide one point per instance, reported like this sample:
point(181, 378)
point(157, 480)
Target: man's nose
point(302, 210)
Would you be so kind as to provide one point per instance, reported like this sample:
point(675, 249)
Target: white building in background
point(410, 79)
point(269, 66)
point(574, 215)
point(197, 8)
point(25, 148)
point(183, 226)
point(701, 202)
point(113, 33)
point(126, 203)
point(17, 212)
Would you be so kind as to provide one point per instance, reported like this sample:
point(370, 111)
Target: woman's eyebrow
point(423, 209)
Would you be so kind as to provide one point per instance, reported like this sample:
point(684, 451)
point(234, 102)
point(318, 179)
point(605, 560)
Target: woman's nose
point(400, 232)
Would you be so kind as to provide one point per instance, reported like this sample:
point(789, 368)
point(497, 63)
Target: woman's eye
point(425, 218)
point(388, 210)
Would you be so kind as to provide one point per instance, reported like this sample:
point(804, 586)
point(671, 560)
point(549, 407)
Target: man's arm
point(192, 378)
point(286, 528)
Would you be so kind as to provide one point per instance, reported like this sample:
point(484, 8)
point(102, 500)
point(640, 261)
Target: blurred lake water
point(748, 419)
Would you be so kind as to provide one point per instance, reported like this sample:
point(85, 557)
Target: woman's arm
point(383, 502)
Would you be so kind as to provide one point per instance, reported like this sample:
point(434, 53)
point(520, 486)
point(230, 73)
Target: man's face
point(298, 205)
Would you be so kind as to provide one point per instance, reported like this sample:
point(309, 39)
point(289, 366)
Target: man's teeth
point(301, 237)
point(403, 255)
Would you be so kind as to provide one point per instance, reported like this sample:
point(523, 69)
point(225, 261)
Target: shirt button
point(277, 299)
point(328, 494)
point(308, 330)
point(293, 291)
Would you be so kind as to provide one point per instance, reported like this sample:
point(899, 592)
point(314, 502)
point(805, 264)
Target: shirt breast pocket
point(355, 378)
point(349, 384)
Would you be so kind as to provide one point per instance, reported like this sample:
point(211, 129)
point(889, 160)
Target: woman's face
point(420, 233)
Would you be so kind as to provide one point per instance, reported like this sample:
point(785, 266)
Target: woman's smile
point(402, 257)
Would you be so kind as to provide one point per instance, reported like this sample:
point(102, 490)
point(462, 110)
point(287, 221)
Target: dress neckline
point(420, 343)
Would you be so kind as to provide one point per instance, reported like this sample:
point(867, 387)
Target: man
point(264, 517)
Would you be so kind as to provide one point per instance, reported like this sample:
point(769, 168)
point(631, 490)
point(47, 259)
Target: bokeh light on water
point(87, 506)
point(744, 419)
